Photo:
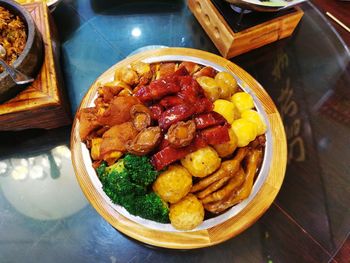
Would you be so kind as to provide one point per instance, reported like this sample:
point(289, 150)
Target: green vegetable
point(128, 183)
point(140, 169)
point(150, 206)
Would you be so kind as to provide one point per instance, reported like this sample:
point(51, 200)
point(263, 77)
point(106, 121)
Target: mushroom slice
point(145, 141)
point(181, 133)
point(141, 116)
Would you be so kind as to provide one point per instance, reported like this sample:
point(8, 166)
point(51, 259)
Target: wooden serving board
point(230, 43)
point(195, 239)
point(43, 104)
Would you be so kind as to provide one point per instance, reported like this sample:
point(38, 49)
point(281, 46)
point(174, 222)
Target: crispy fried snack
point(228, 168)
point(213, 187)
point(235, 182)
point(254, 159)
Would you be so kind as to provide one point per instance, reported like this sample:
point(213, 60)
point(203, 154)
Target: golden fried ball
point(227, 148)
point(254, 116)
point(186, 214)
point(245, 130)
point(210, 87)
point(202, 162)
point(243, 101)
point(173, 184)
point(227, 109)
point(227, 83)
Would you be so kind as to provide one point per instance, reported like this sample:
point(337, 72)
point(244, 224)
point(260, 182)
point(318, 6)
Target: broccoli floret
point(127, 183)
point(152, 207)
point(149, 206)
point(101, 169)
point(140, 169)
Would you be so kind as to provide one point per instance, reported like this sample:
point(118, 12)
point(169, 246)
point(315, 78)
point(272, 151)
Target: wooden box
point(43, 104)
point(231, 43)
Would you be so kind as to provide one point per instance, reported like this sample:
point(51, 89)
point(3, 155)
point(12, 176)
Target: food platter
point(217, 229)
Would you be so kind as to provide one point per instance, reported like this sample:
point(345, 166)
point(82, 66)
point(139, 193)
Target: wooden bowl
point(52, 4)
point(212, 231)
point(30, 60)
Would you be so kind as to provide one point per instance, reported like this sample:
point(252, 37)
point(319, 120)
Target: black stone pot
point(30, 60)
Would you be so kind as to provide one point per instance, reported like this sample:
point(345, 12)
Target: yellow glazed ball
point(227, 109)
point(202, 162)
point(186, 214)
point(210, 87)
point(227, 84)
point(173, 184)
point(225, 149)
point(243, 101)
point(254, 116)
point(245, 131)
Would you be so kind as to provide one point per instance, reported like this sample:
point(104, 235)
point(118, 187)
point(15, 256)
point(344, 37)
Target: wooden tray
point(231, 43)
point(43, 104)
point(201, 238)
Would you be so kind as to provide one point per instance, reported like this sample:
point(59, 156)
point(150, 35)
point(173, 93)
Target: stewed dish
point(174, 141)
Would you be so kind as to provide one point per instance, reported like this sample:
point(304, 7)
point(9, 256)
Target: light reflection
point(19, 172)
point(37, 172)
point(42, 187)
point(136, 32)
point(3, 168)
point(62, 151)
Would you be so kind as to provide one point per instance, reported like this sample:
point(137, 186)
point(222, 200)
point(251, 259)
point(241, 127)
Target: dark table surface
point(44, 216)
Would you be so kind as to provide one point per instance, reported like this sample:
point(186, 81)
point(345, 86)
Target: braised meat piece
point(215, 135)
point(209, 119)
point(166, 69)
point(176, 114)
point(206, 71)
point(118, 111)
point(116, 138)
point(156, 111)
point(88, 122)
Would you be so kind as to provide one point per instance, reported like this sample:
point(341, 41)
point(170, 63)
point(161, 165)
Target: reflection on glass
point(3, 168)
point(43, 187)
point(136, 32)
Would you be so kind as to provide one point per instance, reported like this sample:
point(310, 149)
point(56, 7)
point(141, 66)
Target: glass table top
point(44, 215)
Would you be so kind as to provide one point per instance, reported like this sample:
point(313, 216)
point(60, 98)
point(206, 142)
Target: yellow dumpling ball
point(227, 84)
point(243, 101)
point(227, 109)
point(255, 117)
point(245, 131)
point(173, 184)
point(202, 162)
point(210, 87)
point(186, 214)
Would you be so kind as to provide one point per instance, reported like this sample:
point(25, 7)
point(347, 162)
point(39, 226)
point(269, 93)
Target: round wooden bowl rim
point(201, 238)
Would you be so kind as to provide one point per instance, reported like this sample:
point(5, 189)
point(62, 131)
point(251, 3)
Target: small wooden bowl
point(212, 231)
